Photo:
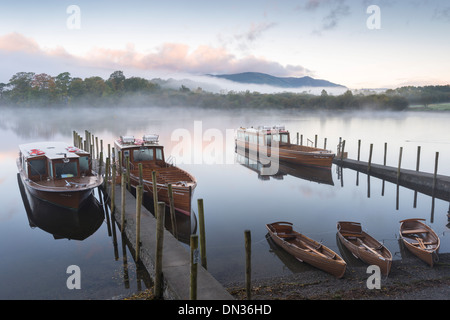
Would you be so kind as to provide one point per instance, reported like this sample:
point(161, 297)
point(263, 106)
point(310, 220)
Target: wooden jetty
point(434, 185)
point(172, 266)
point(176, 264)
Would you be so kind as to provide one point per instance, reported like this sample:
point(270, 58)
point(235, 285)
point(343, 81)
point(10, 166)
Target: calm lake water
point(236, 198)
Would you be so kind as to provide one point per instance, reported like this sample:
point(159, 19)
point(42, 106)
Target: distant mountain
point(266, 79)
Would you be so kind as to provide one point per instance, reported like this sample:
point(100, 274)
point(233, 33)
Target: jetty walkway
point(434, 185)
point(176, 259)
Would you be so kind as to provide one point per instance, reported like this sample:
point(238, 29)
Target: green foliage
point(30, 89)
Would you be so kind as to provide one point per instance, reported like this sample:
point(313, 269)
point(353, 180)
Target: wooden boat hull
point(305, 249)
point(363, 246)
point(420, 240)
point(182, 192)
point(57, 193)
point(293, 154)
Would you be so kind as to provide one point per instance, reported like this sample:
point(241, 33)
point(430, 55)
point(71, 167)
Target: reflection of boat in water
point(268, 141)
point(62, 223)
point(312, 174)
point(58, 173)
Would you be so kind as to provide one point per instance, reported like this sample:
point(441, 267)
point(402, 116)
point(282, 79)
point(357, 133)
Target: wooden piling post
point(139, 194)
point(399, 163)
point(370, 157)
point(113, 189)
point(155, 193)
point(141, 174)
point(128, 173)
point(418, 158)
point(106, 173)
point(385, 153)
point(436, 162)
point(123, 189)
point(96, 147)
point(315, 141)
point(159, 250)
point(301, 139)
point(201, 218)
point(172, 211)
point(359, 150)
point(248, 264)
point(342, 150)
point(194, 262)
point(298, 139)
point(325, 143)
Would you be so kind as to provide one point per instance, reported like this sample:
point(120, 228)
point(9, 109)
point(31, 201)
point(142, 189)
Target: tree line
point(30, 89)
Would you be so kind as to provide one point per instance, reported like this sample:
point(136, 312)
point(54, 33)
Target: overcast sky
point(337, 40)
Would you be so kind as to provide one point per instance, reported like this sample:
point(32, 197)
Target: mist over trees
point(43, 90)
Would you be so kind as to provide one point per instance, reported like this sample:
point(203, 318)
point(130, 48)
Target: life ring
point(36, 152)
point(72, 149)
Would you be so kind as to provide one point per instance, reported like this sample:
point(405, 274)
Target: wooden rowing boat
point(363, 246)
point(305, 249)
point(420, 239)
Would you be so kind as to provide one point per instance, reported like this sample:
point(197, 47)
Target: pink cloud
point(168, 57)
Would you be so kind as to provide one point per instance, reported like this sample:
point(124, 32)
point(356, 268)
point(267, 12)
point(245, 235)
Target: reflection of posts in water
point(248, 264)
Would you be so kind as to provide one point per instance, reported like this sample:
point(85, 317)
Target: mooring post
point(418, 158)
point(123, 189)
point(342, 150)
point(370, 158)
point(201, 218)
point(301, 140)
point(128, 173)
point(359, 149)
point(385, 154)
point(399, 164)
point(141, 174)
point(155, 193)
point(436, 161)
point(194, 262)
point(315, 141)
point(106, 173)
point(158, 292)
point(172, 210)
point(113, 188)
point(325, 143)
point(248, 264)
point(96, 146)
point(100, 164)
point(298, 139)
point(138, 219)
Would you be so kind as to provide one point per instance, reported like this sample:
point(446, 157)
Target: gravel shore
point(409, 279)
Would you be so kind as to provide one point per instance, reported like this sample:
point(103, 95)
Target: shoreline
point(409, 279)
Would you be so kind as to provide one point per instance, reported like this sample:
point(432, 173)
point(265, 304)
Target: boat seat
point(412, 231)
point(351, 234)
point(286, 236)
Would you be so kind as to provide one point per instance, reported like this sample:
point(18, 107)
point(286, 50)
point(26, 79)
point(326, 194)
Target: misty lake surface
point(34, 261)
